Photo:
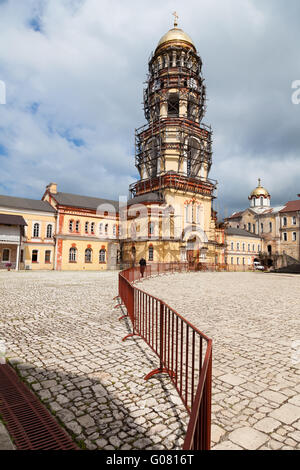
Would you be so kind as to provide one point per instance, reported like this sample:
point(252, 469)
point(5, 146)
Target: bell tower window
point(173, 105)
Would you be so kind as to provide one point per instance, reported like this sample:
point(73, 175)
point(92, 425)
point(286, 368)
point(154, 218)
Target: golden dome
point(260, 191)
point(175, 35)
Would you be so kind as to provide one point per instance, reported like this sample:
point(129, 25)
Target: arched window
point(151, 253)
point(106, 229)
point(86, 227)
point(36, 230)
point(88, 255)
point(71, 225)
point(72, 255)
point(49, 231)
point(77, 226)
point(102, 256)
point(93, 227)
point(261, 201)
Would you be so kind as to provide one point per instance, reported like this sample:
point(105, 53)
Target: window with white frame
point(238, 247)
point(262, 228)
point(244, 247)
point(258, 248)
point(102, 255)
point(238, 261)
point(114, 230)
point(232, 246)
point(100, 229)
point(88, 255)
point(36, 230)
point(72, 255)
point(284, 221)
point(294, 236)
point(232, 261)
point(294, 220)
point(35, 256)
point(49, 231)
point(249, 247)
point(150, 253)
point(253, 247)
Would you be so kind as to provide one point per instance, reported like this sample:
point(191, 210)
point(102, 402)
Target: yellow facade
point(37, 247)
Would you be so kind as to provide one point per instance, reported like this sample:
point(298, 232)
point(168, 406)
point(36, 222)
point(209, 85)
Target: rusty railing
point(185, 354)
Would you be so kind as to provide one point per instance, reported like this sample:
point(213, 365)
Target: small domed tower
point(260, 197)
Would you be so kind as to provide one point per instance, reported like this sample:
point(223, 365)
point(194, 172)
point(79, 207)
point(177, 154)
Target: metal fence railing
point(184, 352)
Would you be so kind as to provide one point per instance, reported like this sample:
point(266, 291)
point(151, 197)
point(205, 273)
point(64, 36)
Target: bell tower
point(175, 147)
point(173, 155)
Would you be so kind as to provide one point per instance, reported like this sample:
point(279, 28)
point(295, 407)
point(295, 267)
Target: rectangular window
point(249, 227)
point(232, 261)
point(5, 254)
point(232, 246)
point(34, 256)
point(285, 237)
point(294, 236)
point(86, 227)
point(249, 248)
point(22, 256)
point(271, 226)
point(294, 221)
point(238, 246)
point(284, 221)
point(238, 261)
point(47, 256)
point(253, 228)
point(243, 261)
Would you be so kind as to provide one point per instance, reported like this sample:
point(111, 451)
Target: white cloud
point(83, 74)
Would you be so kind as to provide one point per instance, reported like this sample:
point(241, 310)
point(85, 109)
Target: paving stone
point(267, 425)
point(248, 438)
point(227, 445)
point(232, 379)
point(287, 413)
point(216, 433)
point(274, 396)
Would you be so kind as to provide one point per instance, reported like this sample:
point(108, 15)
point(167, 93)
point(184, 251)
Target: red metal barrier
point(185, 353)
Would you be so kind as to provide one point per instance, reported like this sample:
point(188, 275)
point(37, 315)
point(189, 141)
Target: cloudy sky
point(74, 73)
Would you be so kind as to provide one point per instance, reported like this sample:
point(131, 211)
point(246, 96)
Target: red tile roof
point(291, 206)
point(236, 215)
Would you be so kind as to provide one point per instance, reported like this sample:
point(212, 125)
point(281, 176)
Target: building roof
point(6, 219)
point(144, 198)
point(291, 206)
point(235, 215)
point(240, 232)
point(83, 202)
point(26, 204)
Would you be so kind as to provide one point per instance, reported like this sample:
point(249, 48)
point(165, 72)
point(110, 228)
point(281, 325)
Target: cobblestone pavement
point(254, 321)
point(63, 335)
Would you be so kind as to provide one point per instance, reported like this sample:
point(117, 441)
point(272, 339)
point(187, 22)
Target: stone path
point(63, 335)
point(254, 321)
